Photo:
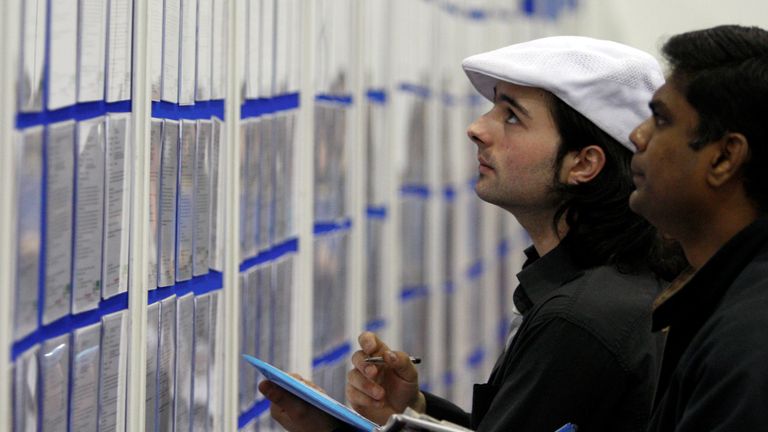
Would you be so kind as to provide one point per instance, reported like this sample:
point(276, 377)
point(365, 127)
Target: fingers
point(401, 365)
point(367, 369)
point(307, 382)
point(362, 390)
point(280, 399)
point(371, 344)
point(293, 413)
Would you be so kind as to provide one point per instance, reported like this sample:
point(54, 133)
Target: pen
point(380, 360)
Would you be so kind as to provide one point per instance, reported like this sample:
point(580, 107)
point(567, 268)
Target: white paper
point(171, 33)
point(30, 90)
point(156, 47)
point(155, 148)
point(283, 28)
point(216, 248)
point(54, 376)
point(62, 67)
point(215, 390)
point(91, 53)
point(25, 408)
point(28, 236)
point(253, 46)
point(119, 51)
point(85, 379)
point(202, 355)
point(202, 198)
point(250, 191)
point(248, 336)
point(294, 48)
point(281, 182)
point(185, 230)
point(114, 370)
point(89, 212)
point(204, 36)
point(266, 73)
point(265, 182)
point(184, 352)
point(166, 367)
point(169, 167)
point(219, 47)
point(188, 54)
point(59, 196)
point(153, 337)
point(263, 309)
point(117, 205)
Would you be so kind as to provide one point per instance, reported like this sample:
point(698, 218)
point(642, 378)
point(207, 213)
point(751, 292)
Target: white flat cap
point(607, 82)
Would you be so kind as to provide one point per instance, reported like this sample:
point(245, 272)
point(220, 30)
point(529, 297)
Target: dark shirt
point(584, 353)
point(715, 369)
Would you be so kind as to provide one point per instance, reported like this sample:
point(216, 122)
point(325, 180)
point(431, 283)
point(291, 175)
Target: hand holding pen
point(385, 385)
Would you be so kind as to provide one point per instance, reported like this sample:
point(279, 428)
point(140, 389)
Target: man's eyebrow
point(514, 103)
point(656, 105)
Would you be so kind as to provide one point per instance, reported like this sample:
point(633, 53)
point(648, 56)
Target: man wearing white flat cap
point(553, 151)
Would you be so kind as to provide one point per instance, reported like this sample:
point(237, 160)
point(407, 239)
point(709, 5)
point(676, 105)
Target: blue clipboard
point(312, 396)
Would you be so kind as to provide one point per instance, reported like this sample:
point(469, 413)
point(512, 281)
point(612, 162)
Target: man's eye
point(659, 120)
point(512, 118)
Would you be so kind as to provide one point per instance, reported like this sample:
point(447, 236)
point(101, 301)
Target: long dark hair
point(602, 230)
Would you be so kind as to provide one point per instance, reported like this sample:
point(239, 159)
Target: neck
point(703, 239)
point(540, 229)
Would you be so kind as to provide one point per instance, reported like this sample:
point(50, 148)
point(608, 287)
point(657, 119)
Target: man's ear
point(583, 165)
point(730, 153)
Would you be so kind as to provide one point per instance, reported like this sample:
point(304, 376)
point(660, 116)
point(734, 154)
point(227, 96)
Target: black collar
point(695, 301)
point(543, 275)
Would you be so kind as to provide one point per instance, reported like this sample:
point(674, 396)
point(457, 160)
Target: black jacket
point(584, 354)
point(715, 368)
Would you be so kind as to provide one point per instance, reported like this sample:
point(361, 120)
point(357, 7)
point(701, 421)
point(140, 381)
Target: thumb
point(402, 366)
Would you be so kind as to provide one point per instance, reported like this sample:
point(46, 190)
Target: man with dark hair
point(553, 151)
point(701, 177)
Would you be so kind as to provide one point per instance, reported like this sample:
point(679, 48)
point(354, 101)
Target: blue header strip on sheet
point(259, 107)
point(476, 358)
point(477, 14)
point(344, 100)
point(476, 270)
point(376, 212)
point(377, 96)
point(199, 285)
point(289, 246)
point(449, 287)
point(70, 323)
point(416, 89)
point(200, 110)
point(449, 193)
point(375, 325)
point(448, 378)
point(332, 356)
point(503, 248)
point(415, 190)
point(254, 412)
point(328, 227)
point(413, 292)
point(79, 112)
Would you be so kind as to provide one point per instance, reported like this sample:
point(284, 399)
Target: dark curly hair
point(602, 230)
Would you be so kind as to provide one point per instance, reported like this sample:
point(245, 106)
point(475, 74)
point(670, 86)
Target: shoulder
point(614, 307)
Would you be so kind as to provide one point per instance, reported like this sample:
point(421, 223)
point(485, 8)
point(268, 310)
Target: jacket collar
point(693, 296)
point(543, 275)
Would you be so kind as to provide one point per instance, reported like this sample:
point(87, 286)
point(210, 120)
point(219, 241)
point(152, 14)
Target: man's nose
point(640, 135)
